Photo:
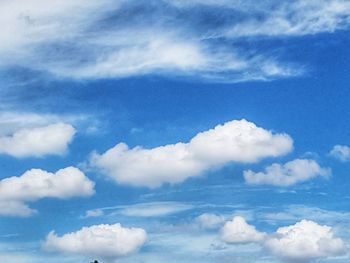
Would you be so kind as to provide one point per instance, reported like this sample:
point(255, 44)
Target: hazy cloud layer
point(234, 141)
point(106, 39)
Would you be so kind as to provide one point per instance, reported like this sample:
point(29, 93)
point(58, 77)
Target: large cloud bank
point(304, 241)
point(234, 141)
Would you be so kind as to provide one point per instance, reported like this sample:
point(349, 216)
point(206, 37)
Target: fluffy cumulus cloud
point(103, 241)
point(238, 231)
point(341, 152)
point(36, 184)
point(209, 221)
point(105, 39)
point(39, 141)
point(234, 141)
point(290, 173)
point(305, 241)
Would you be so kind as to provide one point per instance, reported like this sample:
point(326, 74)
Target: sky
point(174, 131)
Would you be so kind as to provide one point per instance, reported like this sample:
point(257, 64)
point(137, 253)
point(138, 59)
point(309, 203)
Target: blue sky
point(178, 131)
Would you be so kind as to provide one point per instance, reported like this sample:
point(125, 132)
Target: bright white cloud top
point(35, 184)
point(37, 142)
point(305, 241)
point(102, 241)
point(234, 141)
point(341, 152)
point(238, 231)
point(290, 173)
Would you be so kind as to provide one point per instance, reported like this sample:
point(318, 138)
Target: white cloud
point(290, 173)
point(35, 184)
point(341, 152)
point(234, 141)
point(209, 221)
point(102, 241)
point(37, 37)
point(296, 18)
point(39, 141)
point(154, 209)
point(299, 212)
point(151, 209)
point(305, 241)
point(13, 121)
point(238, 231)
point(94, 213)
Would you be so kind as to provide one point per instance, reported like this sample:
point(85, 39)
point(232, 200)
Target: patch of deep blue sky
point(153, 110)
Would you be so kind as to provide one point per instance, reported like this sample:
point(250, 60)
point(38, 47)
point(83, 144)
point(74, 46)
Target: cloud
point(341, 152)
point(299, 212)
point(13, 121)
point(35, 184)
point(37, 142)
point(273, 18)
point(105, 39)
point(299, 18)
point(151, 209)
point(209, 221)
point(305, 241)
point(154, 209)
point(234, 141)
point(238, 231)
point(290, 173)
point(94, 213)
point(102, 241)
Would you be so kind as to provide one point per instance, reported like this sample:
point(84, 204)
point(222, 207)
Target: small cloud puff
point(209, 221)
point(93, 213)
point(341, 153)
point(290, 173)
point(103, 241)
point(39, 141)
point(238, 231)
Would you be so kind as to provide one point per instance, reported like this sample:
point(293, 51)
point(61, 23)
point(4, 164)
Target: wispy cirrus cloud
point(151, 209)
point(106, 39)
